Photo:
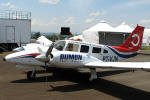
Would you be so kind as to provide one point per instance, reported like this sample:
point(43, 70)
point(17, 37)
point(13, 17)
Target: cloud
point(49, 1)
point(70, 20)
point(79, 5)
point(7, 4)
point(137, 2)
point(89, 20)
point(52, 21)
point(40, 22)
point(34, 22)
point(95, 13)
point(145, 21)
point(128, 4)
point(98, 13)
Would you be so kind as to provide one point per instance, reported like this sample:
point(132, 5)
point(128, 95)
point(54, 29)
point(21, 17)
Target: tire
point(30, 76)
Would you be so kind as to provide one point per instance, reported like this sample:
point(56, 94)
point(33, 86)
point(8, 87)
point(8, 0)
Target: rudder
point(134, 40)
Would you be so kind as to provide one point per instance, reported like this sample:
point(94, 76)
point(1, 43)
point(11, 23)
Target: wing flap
point(124, 65)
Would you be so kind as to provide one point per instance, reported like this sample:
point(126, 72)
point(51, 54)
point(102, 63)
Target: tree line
point(52, 36)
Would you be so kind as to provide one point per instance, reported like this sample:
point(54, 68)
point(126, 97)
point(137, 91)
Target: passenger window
point(84, 48)
point(72, 47)
point(96, 50)
point(105, 51)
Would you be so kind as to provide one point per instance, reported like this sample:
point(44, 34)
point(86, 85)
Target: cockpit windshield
point(59, 45)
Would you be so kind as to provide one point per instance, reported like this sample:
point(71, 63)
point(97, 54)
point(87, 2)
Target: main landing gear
point(31, 75)
point(93, 74)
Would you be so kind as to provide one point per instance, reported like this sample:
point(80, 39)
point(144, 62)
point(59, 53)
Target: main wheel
point(31, 76)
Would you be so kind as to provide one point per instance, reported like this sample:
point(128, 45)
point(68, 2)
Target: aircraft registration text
point(110, 58)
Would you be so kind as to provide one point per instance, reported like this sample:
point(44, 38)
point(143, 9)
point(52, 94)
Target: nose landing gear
point(93, 74)
point(31, 75)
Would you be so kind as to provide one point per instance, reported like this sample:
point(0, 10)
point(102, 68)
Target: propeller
point(49, 54)
point(49, 51)
point(45, 57)
point(48, 57)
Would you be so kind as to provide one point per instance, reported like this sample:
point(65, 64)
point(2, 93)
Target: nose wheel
point(31, 75)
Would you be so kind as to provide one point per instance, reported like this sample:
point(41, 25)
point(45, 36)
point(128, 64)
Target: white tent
point(146, 37)
point(146, 32)
point(124, 28)
point(102, 26)
point(91, 34)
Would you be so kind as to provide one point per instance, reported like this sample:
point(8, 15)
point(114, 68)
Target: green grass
point(145, 48)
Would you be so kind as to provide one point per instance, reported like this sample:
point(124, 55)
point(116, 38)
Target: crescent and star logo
point(133, 40)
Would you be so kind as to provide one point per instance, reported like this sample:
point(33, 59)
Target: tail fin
point(134, 40)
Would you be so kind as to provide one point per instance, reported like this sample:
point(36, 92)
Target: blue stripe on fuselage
point(123, 55)
point(28, 56)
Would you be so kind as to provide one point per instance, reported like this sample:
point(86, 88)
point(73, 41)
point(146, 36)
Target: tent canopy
point(102, 26)
point(147, 32)
point(124, 28)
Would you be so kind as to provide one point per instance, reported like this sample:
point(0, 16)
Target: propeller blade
point(50, 49)
point(42, 58)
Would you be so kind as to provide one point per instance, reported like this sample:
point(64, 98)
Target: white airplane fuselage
point(70, 58)
point(75, 54)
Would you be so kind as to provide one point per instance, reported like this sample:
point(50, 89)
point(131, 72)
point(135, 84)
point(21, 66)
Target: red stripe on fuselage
point(32, 54)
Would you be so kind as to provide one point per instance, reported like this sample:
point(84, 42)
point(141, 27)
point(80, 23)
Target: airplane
point(77, 54)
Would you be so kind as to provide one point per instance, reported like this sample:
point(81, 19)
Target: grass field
point(145, 48)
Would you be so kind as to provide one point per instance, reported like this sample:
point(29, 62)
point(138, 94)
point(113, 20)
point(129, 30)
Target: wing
point(124, 65)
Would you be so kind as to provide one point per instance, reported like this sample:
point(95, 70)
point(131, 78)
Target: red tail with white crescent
point(133, 42)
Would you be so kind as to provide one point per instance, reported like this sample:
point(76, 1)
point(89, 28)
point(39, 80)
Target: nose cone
point(8, 58)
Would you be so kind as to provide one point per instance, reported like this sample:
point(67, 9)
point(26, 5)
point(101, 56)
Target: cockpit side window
point(72, 47)
point(96, 50)
point(84, 48)
point(59, 45)
point(105, 51)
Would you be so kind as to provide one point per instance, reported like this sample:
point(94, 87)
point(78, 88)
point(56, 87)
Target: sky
point(79, 15)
